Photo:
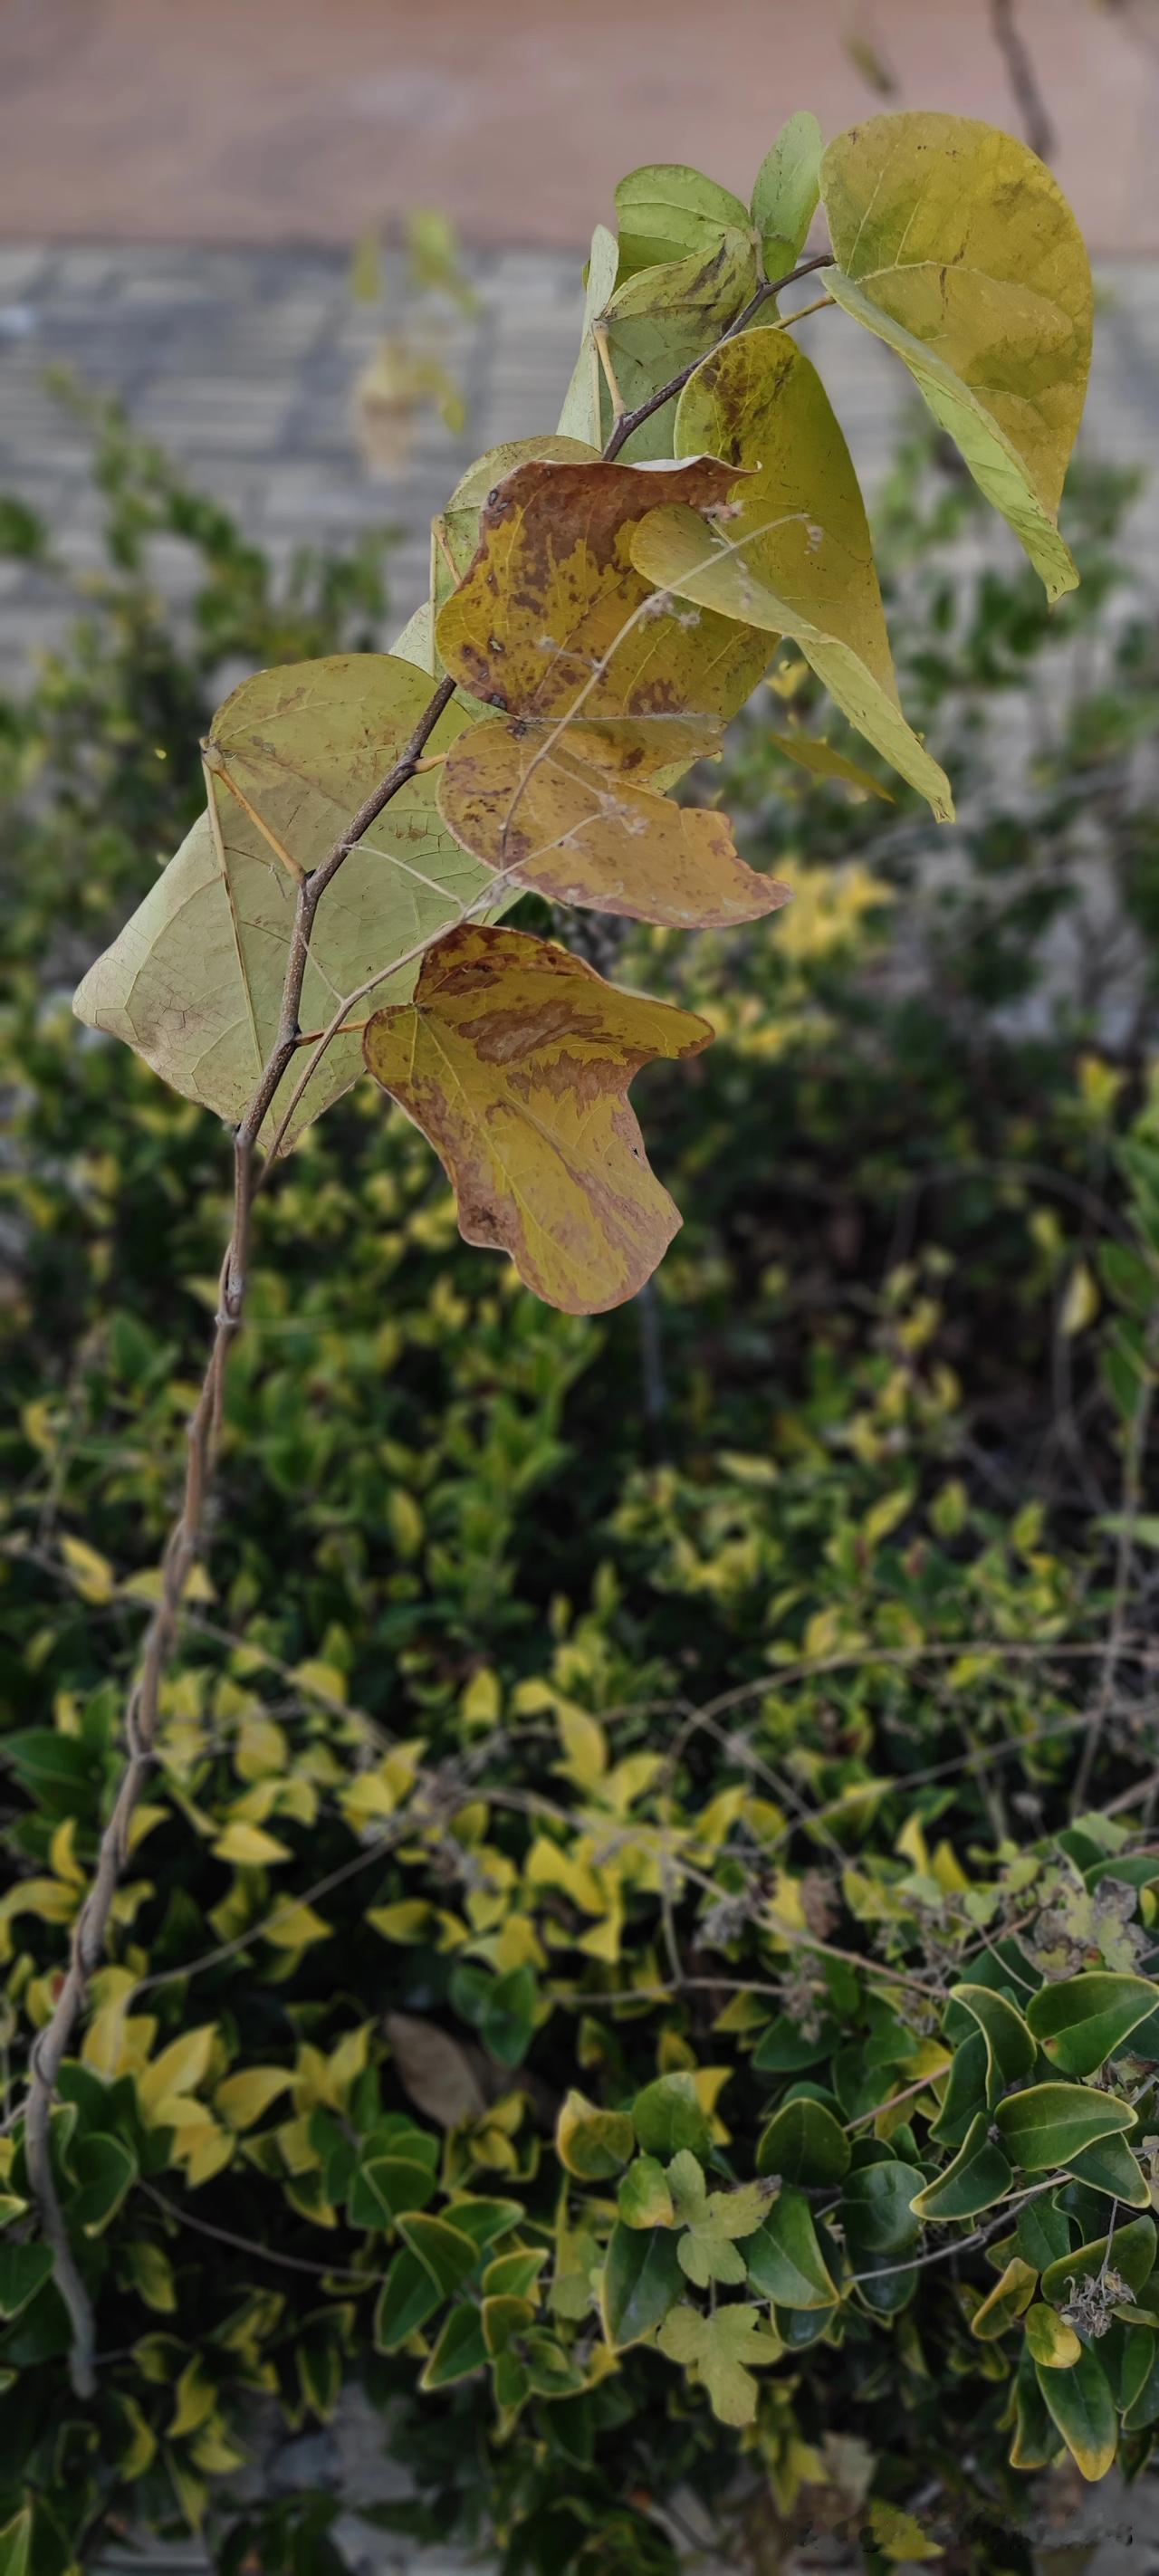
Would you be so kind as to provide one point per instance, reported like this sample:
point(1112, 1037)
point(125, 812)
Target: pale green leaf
point(584, 404)
point(787, 189)
point(1080, 2403)
point(667, 211)
point(723, 2349)
point(194, 981)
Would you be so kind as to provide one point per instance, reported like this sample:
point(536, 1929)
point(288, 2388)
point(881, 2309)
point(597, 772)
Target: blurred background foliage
point(891, 1390)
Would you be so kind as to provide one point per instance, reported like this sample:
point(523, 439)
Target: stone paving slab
point(241, 363)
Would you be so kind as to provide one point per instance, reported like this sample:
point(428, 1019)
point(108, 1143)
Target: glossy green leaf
point(876, 2206)
point(409, 2295)
point(384, 2186)
point(803, 2143)
point(965, 2093)
point(1080, 2403)
point(503, 2318)
point(24, 2269)
point(459, 2351)
point(784, 2259)
point(1010, 2049)
point(1042, 2232)
point(978, 2176)
point(104, 2170)
point(957, 247)
point(448, 2255)
point(507, 2025)
point(514, 2275)
point(484, 2221)
point(1144, 2408)
point(1110, 2167)
point(787, 189)
point(642, 2280)
point(792, 552)
point(1082, 2021)
point(1051, 2123)
point(1036, 2442)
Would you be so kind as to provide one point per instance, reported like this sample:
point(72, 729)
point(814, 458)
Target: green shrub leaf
point(642, 2280)
point(1050, 2123)
point(1081, 2021)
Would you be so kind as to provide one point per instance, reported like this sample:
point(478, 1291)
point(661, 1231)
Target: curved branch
point(181, 1551)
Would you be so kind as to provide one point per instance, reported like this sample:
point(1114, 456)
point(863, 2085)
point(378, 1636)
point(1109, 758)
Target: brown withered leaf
point(515, 1059)
point(442, 2079)
point(552, 617)
point(567, 809)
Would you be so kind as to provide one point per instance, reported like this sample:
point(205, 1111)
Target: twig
point(1132, 1498)
point(630, 421)
point(181, 1551)
point(1023, 78)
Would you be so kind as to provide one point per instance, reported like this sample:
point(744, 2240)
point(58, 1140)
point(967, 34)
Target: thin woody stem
point(181, 1551)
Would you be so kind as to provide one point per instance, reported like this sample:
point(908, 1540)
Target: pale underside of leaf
point(956, 246)
point(565, 807)
point(515, 1059)
point(583, 406)
point(667, 210)
point(194, 982)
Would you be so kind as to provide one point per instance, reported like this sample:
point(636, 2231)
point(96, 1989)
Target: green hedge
point(610, 1766)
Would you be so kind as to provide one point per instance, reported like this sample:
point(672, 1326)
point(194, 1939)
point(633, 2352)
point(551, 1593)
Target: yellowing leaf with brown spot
point(455, 533)
point(553, 618)
point(194, 981)
point(515, 1059)
point(566, 809)
point(795, 554)
point(957, 247)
